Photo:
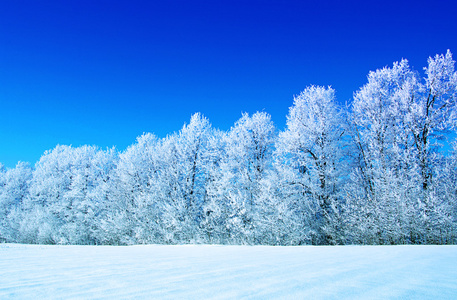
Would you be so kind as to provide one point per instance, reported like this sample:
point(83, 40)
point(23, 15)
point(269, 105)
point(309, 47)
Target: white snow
point(227, 272)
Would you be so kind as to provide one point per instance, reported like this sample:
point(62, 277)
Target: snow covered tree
point(186, 158)
point(62, 205)
point(376, 174)
point(14, 185)
point(431, 117)
point(433, 112)
point(248, 149)
point(445, 209)
point(215, 209)
point(97, 202)
point(397, 123)
point(90, 169)
point(133, 212)
point(308, 159)
point(47, 208)
point(382, 154)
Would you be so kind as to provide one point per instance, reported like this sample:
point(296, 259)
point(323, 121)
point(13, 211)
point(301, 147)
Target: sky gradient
point(103, 72)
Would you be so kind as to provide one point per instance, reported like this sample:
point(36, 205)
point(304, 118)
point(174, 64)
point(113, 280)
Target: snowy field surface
point(227, 272)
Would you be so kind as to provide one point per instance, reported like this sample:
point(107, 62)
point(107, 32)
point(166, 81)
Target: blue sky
point(103, 72)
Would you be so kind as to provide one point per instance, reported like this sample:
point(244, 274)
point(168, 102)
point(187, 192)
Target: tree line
point(380, 170)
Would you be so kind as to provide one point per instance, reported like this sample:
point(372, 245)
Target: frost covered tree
point(431, 117)
point(47, 209)
point(433, 112)
point(379, 173)
point(62, 206)
point(446, 208)
point(3, 208)
point(215, 209)
point(192, 146)
point(247, 158)
point(397, 121)
point(186, 158)
point(382, 156)
point(90, 169)
point(309, 160)
point(14, 185)
point(133, 212)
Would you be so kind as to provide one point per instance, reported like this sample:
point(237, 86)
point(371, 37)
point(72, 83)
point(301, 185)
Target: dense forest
point(380, 170)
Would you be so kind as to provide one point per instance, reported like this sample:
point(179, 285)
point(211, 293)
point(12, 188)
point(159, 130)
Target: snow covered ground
point(228, 272)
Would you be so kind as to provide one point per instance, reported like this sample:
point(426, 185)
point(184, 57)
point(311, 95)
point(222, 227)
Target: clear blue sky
point(103, 72)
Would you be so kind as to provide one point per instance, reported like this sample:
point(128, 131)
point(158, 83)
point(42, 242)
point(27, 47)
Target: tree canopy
point(381, 170)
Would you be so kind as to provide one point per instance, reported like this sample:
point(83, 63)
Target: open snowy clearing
point(227, 272)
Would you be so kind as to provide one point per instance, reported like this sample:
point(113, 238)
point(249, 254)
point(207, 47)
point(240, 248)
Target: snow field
point(227, 272)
